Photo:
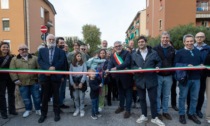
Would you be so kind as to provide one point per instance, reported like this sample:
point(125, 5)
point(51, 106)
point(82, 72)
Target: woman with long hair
point(79, 83)
point(6, 82)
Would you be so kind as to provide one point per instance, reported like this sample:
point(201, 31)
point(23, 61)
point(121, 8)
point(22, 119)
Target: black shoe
point(175, 108)
point(160, 117)
point(199, 114)
point(194, 119)
point(167, 116)
point(13, 113)
point(182, 119)
point(42, 119)
point(4, 116)
point(61, 111)
point(64, 106)
point(57, 117)
point(119, 110)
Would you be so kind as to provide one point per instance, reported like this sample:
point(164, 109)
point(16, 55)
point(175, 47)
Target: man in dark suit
point(121, 60)
point(50, 58)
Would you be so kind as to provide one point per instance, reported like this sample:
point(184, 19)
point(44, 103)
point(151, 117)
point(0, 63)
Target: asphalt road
point(109, 118)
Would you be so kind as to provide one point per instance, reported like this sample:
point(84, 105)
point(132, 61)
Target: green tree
point(178, 32)
point(69, 42)
point(91, 36)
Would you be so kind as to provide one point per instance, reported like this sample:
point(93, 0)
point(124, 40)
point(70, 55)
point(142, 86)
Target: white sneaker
point(26, 114)
point(76, 112)
point(100, 109)
point(38, 112)
point(157, 121)
point(208, 121)
point(82, 113)
point(141, 119)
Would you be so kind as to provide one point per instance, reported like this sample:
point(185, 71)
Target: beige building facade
point(21, 21)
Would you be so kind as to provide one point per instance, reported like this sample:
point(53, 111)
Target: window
point(4, 4)
point(42, 12)
point(204, 6)
point(205, 23)
point(5, 24)
point(160, 24)
point(161, 4)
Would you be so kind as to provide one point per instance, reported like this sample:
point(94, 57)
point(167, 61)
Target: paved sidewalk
point(109, 118)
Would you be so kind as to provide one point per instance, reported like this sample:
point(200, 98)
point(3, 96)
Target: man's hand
point(157, 69)
point(114, 68)
point(100, 85)
point(189, 65)
point(52, 68)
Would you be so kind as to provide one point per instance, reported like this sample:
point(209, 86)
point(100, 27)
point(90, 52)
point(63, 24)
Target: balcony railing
point(203, 6)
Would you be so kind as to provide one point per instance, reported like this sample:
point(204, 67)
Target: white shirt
point(144, 53)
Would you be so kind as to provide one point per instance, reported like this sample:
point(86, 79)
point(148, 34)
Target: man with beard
point(61, 44)
point(121, 60)
point(50, 58)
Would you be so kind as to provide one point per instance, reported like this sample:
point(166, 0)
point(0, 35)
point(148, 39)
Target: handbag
point(77, 80)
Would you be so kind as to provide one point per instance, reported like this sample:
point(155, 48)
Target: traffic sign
point(43, 29)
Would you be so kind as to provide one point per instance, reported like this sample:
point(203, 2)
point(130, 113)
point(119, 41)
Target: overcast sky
point(113, 17)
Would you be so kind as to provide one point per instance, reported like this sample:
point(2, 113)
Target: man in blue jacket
point(204, 50)
point(50, 58)
point(121, 60)
point(191, 57)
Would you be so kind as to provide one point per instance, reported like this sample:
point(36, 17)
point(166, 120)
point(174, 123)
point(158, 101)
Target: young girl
point(78, 82)
point(101, 67)
point(95, 85)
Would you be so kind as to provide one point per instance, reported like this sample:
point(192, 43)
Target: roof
point(50, 5)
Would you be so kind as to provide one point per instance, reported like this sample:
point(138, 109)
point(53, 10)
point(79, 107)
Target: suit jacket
point(58, 62)
point(126, 79)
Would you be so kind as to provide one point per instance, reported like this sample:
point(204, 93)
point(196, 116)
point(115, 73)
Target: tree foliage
point(178, 32)
point(91, 36)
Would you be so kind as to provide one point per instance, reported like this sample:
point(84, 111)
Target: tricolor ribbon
point(37, 71)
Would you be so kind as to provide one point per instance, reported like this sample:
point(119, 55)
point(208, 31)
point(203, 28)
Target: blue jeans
point(26, 92)
point(193, 86)
point(94, 106)
point(62, 91)
point(164, 90)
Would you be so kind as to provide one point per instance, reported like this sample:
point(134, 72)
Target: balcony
point(203, 10)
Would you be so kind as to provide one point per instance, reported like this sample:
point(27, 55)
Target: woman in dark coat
point(6, 82)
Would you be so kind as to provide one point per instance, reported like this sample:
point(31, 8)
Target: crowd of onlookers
point(106, 86)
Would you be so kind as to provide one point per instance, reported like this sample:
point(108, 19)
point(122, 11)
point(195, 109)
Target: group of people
point(95, 73)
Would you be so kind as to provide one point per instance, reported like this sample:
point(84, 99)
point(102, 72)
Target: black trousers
point(201, 95)
point(10, 87)
point(152, 92)
point(50, 87)
point(114, 88)
point(173, 92)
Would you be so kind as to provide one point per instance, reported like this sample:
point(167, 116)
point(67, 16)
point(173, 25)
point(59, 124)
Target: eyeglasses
point(83, 49)
point(24, 49)
point(200, 37)
point(118, 46)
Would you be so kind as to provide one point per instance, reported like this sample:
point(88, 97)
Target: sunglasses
point(24, 49)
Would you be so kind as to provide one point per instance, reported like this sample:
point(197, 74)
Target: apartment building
point(21, 21)
point(137, 26)
point(165, 14)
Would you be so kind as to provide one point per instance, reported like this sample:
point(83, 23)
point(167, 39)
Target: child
point(95, 85)
point(78, 82)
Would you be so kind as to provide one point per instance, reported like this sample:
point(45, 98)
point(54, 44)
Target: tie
point(191, 52)
point(51, 55)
